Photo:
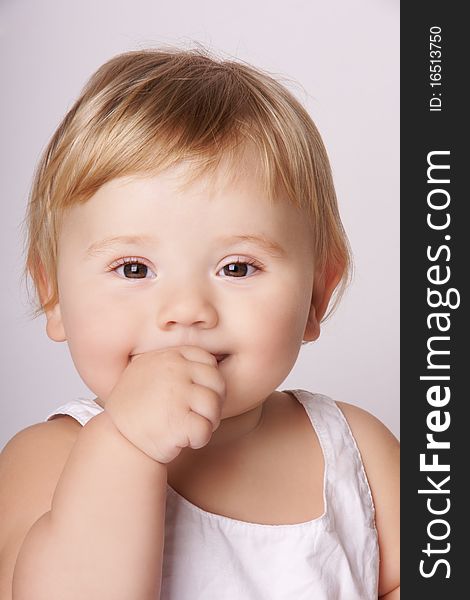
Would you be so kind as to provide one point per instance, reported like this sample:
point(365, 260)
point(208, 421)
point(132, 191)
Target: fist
point(166, 400)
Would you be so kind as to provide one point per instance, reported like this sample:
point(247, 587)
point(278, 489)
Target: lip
point(219, 356)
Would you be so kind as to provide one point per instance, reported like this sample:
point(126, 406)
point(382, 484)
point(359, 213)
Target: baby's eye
point(239, 268)
point(131, 268)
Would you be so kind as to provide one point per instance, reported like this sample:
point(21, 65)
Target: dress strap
point(81, 409)
point(346, 490)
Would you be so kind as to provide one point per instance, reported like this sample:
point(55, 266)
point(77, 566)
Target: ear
point(54, 326)
point(323, 287)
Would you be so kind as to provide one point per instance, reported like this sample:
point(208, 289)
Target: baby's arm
point(104, 534)
point(103, 537)
point(30, 467)
point(380, 453)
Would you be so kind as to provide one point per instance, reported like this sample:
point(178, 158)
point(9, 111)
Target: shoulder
point(30, 466)
point(380, 452)
point(40, 437)
point(32, 461)
point(368, 430)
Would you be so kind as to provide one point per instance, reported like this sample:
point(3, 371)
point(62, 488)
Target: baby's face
point(181, 285)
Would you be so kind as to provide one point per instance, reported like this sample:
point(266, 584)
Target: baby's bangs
point(145, 111)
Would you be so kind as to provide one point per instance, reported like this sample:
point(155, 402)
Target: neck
point(237, 428)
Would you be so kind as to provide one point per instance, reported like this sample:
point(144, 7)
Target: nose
point(187, 306)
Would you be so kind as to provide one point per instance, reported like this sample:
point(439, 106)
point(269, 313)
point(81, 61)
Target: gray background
point(344, 56)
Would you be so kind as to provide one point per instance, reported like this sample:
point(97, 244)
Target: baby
point(184, 240)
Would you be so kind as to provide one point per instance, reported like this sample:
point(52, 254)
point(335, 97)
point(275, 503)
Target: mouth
point(220, 357)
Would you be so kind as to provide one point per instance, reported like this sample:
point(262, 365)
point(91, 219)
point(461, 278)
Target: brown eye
point(132, 269)
point(135, 270)
point(239, 269)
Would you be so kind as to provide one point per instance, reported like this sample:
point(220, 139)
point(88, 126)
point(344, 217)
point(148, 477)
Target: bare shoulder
point(30, 466)
point(380, 452)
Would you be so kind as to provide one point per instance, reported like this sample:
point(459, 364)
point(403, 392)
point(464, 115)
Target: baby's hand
point(168, 399)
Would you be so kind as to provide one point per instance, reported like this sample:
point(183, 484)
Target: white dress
point(333, 557)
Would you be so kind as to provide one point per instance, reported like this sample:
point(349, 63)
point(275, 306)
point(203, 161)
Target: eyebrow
point(270, 246)
point(103, 246)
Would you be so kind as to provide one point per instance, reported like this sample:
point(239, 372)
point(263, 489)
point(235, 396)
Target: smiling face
point(171, 279)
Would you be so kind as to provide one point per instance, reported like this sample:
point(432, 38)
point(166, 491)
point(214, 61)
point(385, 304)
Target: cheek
point(278, 330)
point(99, 342)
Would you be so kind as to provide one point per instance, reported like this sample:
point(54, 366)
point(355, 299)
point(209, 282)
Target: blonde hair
point(146, 110)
